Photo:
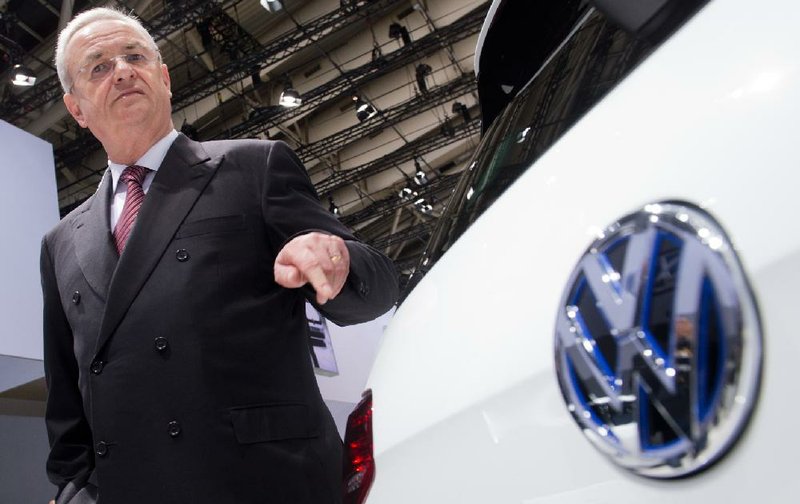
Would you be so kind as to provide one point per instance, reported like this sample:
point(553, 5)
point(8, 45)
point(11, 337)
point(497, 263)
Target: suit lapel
point(178, 183)
point(94, 248)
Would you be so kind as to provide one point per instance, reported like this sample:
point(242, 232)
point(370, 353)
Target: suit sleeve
point(291, 207)
point(71, 456)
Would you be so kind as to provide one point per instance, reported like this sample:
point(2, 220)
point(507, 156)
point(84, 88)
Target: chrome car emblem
point(658, 343)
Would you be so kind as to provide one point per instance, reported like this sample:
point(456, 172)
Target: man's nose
point(123, 70)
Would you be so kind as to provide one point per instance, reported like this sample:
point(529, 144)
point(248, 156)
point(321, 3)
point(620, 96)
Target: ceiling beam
point(266, 117)
point(418, 147)
point(64, 15)
point(389, 117)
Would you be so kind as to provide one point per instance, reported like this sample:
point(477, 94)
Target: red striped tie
point(133, 176)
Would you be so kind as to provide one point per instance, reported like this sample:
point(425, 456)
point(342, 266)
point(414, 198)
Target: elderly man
point(174, 323)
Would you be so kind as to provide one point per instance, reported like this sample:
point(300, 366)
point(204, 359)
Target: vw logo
point(658, 343)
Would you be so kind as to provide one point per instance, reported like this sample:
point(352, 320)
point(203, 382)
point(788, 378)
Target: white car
point(616, 324)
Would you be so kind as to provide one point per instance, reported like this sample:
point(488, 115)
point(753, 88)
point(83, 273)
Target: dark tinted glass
point(593, 58)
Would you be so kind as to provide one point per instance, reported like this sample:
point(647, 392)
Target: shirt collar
point(151, 159)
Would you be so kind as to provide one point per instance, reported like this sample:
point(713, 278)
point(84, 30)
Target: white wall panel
point(28, 208)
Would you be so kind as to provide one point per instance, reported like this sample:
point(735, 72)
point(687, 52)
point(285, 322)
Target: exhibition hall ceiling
point(377, 97)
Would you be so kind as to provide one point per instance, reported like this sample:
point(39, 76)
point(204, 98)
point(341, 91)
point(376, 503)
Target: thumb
point(288, 276)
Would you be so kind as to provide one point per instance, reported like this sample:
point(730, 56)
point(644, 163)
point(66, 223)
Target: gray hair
point(86, 18)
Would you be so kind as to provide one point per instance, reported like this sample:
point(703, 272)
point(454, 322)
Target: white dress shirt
point(151, 159)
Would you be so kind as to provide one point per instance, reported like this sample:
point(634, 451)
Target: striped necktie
point(133, 176)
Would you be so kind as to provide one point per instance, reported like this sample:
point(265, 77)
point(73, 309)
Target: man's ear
point(74, 109)
point(165, 76)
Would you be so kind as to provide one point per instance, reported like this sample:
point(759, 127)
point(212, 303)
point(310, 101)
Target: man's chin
point(131, 113)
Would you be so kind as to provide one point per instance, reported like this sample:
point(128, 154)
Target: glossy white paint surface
point(466, 404)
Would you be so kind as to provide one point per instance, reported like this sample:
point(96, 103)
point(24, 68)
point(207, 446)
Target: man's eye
point(101, 68)
point(134, 58)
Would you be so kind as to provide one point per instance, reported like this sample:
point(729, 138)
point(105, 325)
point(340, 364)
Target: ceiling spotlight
point(460, 108)
point(364, 110)
point(423, 206)
point(398, 31)
point(419, 177)
point(422, 71)
point(447, 129)
point(407, 194)
point(376, 52)
point(23, 76)
point(272, 5)
point(332, 207)
point(290, 98)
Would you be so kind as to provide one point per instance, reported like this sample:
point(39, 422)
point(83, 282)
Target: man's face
point(133, 97)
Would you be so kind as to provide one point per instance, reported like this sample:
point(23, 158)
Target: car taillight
point(358, 472)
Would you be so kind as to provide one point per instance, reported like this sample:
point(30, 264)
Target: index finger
point(319, 281)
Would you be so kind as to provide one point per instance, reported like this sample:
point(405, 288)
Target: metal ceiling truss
point(407, 152)
point(416, 232)
point(230, 37)
point(386, 118)
point(275, 51)
point(263, 118)
point(440, 189)
point(391, 203)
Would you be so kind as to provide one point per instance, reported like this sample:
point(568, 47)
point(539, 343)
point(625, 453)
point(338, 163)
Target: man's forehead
point(103, 35)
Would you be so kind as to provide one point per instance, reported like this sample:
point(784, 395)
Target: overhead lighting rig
point(290, 98)
point(398, 31)
point(20, 74)
point(460, 108)
point(333, 208)
point(272, 5)
point(423, 71)
point(23, 76)
point(364, 111)
point(419, 177)
point(407, 194)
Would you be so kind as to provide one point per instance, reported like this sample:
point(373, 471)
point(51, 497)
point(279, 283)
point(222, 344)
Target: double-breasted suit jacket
point(179, 372)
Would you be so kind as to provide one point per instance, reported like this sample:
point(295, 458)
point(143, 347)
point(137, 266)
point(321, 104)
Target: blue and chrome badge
point(658, 343)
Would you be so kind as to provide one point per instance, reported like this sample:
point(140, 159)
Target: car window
point(591, 60)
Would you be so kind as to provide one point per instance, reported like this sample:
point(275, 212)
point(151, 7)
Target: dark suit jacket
point(179, 372)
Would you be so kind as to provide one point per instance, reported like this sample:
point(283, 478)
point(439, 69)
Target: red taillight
point(358, 471)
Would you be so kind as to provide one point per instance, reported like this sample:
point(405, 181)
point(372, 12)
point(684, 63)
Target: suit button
point(363, 289)
point(174, 428)
point(101, 449)
point(161, 344)
point(76, 297)
point(182, 255)
point(97, 367)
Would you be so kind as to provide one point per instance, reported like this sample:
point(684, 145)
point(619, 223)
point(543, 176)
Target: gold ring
point(336, 258)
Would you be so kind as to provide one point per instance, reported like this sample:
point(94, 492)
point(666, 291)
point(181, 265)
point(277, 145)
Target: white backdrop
point(355, 348)
point(28, 208)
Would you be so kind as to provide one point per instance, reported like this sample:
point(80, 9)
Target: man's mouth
point(127, 93)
